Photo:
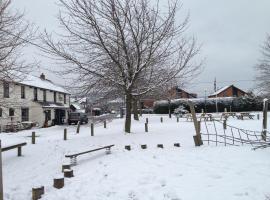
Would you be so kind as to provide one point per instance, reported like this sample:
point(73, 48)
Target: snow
point(186, 173)
point(34, 81)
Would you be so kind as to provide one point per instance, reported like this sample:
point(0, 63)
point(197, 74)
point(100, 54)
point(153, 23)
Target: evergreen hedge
point(234, 104)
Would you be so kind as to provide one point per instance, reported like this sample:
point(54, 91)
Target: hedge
point(234, 104)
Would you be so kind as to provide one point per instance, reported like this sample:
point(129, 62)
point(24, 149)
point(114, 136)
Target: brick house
point(228, 91)
point(178, 93)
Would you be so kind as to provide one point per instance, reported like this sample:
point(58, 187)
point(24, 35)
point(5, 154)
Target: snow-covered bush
point(180, 111)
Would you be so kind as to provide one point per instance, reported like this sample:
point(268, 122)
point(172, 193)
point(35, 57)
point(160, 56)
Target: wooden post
point(19, 151)
point(144, 146)
point(146, 120)
point(197, 138)
point(33, 137)
point(127, 147)
point(68, 173)
point(1, 175)
point(177, 119)
point(37, 193)
point(65, 166)
point(176, 144)
point(225, 124)
point(78, 127)
point(199, 126)
point(105, 125)
point(146, 127)
point(161, 119)
point(92, 129)
point(265, 109)
point(258, 116)
point(58, 183)
point(65, 134)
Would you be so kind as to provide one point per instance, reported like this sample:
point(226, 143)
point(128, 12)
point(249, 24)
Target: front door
point(59, 116)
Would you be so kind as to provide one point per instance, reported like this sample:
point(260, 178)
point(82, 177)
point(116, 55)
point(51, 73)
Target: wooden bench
point(73, 157)
point(19, 146)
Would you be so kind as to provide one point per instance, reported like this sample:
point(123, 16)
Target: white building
point(33, 99)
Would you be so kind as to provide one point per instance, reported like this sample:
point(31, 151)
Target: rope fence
point(218, 134)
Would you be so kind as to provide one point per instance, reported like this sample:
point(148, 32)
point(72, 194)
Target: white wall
point(36, 112)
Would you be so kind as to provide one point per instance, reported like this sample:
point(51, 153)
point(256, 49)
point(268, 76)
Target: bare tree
point(14, 35)
point(121, 41)
point(263, 77)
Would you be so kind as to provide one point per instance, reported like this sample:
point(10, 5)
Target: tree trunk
point(128, 112)
point(135, 109)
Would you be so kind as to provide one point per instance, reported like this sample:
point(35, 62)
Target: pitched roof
point(220, 90)
point(38, 82)
point(225, 88)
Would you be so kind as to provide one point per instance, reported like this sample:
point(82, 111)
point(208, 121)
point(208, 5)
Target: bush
point(234, 104)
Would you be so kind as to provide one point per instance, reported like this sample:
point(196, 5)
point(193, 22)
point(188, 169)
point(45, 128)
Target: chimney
point(42, 76)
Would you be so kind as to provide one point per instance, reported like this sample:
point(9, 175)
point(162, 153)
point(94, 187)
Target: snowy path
point(207, 172)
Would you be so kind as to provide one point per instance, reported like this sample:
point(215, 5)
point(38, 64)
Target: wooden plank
point(77, 154)
point(13, 146)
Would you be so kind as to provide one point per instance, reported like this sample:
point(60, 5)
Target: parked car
point(75, 117)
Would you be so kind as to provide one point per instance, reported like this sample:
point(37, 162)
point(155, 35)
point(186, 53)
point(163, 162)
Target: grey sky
point(231, 32)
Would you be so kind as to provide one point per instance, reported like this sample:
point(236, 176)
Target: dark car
point(75, 117)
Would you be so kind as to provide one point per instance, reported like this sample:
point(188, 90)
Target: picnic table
point(13, 127)
point(226, 115)
point(206, 116)
point(242, 115)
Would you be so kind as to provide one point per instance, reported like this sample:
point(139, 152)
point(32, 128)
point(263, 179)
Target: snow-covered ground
point(186, 173)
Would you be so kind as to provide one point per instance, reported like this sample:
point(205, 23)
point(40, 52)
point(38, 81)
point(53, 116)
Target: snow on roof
point(38, 82)
point(76, 106)
point(118, 100)
point(220, 90)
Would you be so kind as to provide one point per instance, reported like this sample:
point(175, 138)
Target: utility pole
point(215, 89)
point(205, 101)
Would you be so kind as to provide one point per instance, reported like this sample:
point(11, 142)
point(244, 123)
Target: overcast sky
point(230, 31)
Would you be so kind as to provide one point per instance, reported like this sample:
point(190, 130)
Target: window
point(11, 112)
point(6, 90)
point(25, 114)
point(44, 96)
point(54, 97)
point(1, 112)
point(23, 92)
point(35, 94)
point(65, 98)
